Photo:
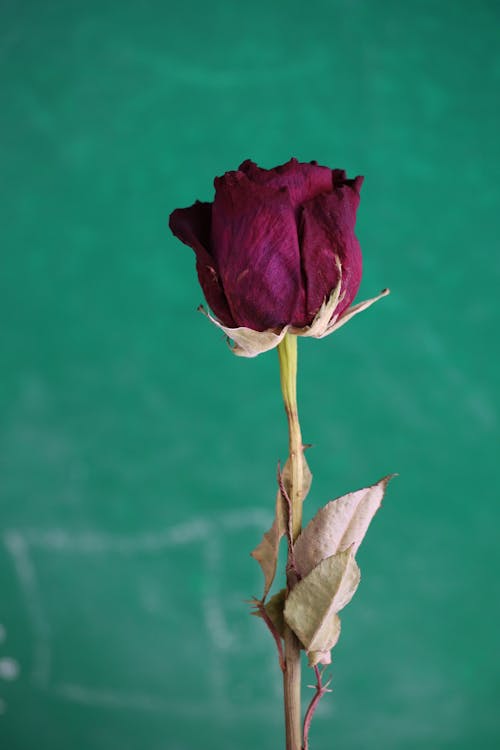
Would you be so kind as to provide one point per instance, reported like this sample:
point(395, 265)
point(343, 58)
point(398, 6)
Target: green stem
point(287, 352)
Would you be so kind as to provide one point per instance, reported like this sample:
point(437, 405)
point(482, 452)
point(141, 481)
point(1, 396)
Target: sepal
point(245, 342)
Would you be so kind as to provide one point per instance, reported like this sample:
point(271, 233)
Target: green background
point(137, 455)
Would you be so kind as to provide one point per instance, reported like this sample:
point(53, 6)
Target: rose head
point(276, 251)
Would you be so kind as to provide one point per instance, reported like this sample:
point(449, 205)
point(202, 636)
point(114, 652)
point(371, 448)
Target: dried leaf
point(322, 657)
point(266, 552)
point(313, 603)
point(339, 525)
point(274, 609)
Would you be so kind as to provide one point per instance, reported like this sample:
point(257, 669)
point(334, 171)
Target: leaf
point(339, 525)
point(274, 609)
point(266, 552)
point(312, 605)
point(323, 657)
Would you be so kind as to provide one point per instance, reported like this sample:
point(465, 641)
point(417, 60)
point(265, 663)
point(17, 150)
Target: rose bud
point(276, 252)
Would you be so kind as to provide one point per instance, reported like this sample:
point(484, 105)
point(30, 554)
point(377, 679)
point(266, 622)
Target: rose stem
point(287, 353)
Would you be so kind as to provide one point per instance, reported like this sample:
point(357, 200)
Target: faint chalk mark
point(178, 71)
point(215, 622)
point(9, 669)
point(143, 702)
point(198, 530)
point(25, 570)
point(98, 542)
point(214, 615)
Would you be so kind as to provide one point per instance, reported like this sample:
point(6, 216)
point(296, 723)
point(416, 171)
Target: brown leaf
point(266, 552)
point(274, 609)
point(339, 525)
point(312, 605)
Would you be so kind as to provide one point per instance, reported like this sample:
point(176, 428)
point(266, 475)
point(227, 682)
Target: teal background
point(137, 455)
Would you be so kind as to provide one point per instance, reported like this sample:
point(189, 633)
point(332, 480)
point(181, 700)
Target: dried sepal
point(323, 317)
point(312, 605)
point(339, 525)
point(246, 341)
point(338, 322)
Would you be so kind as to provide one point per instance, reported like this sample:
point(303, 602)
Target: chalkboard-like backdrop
point(132, 442)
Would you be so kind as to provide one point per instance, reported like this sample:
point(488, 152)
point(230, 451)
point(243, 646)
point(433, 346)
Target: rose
point(276, 252)
point(267, 247)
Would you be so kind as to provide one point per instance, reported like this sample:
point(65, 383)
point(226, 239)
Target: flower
point(276, 252)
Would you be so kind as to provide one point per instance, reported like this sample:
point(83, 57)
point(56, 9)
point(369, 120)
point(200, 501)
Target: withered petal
point(192, 226)
point(327, 234)
point(255, 243)
point(303, 180)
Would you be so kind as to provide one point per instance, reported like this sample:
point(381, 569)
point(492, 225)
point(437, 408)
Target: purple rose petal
point(327, 232)
point(304, 181)
point(193, 226)
point(255, 242)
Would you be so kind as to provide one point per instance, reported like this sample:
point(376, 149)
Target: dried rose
point(276, 252)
